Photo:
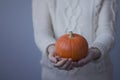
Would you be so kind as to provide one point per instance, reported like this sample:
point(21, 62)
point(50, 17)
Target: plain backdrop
point(19, 56)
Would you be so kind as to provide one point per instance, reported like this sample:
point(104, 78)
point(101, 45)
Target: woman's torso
point(80, 16)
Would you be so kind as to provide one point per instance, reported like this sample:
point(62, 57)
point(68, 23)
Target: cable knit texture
point(93, 19)
point(72, 12)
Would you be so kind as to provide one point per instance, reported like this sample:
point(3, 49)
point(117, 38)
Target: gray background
point(19, 56)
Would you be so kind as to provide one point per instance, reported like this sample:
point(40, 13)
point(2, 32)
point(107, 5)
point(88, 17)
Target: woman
point(93, 19)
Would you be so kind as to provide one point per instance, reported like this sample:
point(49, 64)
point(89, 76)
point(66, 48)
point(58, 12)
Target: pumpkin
point(72, 46)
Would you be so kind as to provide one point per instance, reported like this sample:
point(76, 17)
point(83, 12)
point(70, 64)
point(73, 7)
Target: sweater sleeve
point(105, 34)
point(43, 32)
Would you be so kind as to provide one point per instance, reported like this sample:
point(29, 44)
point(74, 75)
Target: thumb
point(52, 57)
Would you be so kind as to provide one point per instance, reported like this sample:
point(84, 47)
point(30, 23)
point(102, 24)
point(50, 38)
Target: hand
point(60, 63)
point(68, 64)
point(64, 64)
point(93, 54)
point(51, 53)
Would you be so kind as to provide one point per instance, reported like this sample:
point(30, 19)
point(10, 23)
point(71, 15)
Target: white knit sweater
point(94, 19)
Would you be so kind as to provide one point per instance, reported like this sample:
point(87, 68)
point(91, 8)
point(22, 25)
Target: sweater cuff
point(47, 45)
point(102, 49)
point(47, 49)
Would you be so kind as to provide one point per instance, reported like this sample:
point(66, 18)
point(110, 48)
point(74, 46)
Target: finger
point(60, 63)
point(58, 58)
point(83, 62)
point(52, 58)
point(67, 64)
point(70, 67)
point(86, 60)
point(79, 63)
point(75, 64)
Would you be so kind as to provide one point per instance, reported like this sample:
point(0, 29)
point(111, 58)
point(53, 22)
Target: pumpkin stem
point(71, 34)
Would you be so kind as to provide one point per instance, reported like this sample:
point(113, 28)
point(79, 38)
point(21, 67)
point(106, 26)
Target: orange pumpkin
point(72, 46)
